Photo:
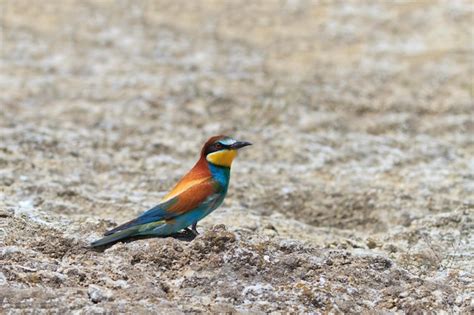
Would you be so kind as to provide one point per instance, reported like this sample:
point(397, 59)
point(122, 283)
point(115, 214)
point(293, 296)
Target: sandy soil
point(358, 194)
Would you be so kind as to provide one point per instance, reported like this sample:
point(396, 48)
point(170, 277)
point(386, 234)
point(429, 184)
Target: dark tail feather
point(109, 239)
point(121, 227)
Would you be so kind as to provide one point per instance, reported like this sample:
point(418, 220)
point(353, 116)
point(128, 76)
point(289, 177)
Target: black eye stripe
point(219, 146)
point(216, 147)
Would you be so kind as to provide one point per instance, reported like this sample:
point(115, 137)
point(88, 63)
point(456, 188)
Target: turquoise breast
point(220, 174)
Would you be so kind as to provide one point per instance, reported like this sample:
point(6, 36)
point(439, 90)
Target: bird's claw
point(194, 229)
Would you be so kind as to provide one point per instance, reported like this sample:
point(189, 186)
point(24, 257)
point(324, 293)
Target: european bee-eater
point(196, 195)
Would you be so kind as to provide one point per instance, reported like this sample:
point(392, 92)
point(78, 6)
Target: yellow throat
point(222, 158)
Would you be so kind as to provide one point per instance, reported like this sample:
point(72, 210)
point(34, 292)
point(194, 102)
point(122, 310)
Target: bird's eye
point(218, 146)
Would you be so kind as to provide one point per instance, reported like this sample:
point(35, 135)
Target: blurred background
point(361, 115)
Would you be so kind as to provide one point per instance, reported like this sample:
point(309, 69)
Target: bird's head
point(221, 150)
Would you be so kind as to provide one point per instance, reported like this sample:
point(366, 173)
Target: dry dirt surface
point(357, 195)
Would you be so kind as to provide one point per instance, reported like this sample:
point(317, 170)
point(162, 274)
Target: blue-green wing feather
point(187, 201)
point(157, 213)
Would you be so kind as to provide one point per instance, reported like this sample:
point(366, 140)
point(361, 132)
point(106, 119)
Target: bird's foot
point(191, 231)
point(186, 235)
point(194, 229)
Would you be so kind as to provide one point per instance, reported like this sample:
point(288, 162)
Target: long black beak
point(240, 144)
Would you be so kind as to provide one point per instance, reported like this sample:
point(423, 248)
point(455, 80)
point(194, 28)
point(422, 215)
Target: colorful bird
point(196, 195)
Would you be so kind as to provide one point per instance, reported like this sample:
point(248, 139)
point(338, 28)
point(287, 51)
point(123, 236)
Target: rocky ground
point(357, 195)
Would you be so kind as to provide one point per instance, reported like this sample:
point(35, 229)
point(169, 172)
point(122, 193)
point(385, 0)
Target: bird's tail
point(112, 238)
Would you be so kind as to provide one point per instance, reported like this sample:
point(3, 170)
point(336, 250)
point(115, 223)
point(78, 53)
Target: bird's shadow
point(185, 236)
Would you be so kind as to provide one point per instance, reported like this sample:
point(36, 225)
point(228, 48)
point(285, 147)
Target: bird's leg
point(188, 233)
point(194, 228)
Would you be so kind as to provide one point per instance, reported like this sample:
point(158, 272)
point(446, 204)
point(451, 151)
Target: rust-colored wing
point(195, 196)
